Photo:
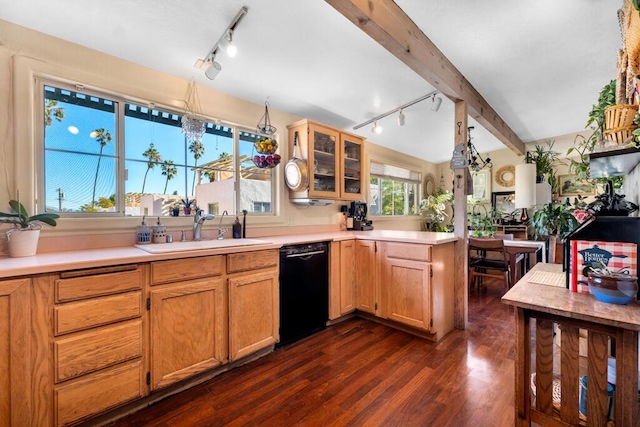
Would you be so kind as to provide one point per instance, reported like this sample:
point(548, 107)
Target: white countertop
point(90, 258)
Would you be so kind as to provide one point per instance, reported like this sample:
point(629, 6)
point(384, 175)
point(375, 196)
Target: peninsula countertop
point(560, 301)
point(91, 258)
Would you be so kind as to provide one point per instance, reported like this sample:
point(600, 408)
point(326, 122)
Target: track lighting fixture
point(401, 118)
point(376, 129)
point(435, 103)
point(209, 65)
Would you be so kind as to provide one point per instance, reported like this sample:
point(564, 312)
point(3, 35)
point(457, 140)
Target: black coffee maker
point(358, 217)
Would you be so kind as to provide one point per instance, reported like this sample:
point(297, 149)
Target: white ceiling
point(539, 64)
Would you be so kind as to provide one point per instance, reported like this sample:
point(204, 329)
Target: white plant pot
point(23, 242)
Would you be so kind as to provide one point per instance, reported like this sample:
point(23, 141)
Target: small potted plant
point(545, 159)
point(175, 209)
point(23, 239)
point(187, 204)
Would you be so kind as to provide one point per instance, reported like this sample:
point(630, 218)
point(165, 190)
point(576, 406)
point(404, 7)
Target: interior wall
point(26, 54)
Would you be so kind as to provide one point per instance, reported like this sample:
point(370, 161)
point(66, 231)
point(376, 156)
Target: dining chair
point(481, 265)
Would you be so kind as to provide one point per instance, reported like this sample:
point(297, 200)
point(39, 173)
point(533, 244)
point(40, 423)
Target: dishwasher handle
point(305, 254)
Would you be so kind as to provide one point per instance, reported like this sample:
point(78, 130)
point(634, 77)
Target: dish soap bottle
point(237, 229)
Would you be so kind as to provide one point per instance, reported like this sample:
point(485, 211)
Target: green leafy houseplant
point(545, 159)
point(554, 219)
point(21, 219)
point(433, 210)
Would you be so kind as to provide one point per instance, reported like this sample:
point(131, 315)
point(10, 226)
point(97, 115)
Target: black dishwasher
point(304, 290)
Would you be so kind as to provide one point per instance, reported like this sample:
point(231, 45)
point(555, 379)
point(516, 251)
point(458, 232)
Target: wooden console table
point(550, 305)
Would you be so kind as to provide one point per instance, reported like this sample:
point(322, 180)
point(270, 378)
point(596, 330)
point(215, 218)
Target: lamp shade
point(525, 185)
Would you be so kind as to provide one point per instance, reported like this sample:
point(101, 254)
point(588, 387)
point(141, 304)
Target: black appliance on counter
point(304, 291)
point(357, 219)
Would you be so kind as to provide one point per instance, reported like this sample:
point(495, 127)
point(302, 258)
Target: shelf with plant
point(578, 154)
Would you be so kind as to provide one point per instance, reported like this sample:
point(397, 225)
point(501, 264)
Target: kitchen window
point(104, 155)
point(393, 190)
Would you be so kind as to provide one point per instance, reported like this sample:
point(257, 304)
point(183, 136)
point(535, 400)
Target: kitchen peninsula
point(99, 333)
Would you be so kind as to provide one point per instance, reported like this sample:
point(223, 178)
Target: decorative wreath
point(506, 176)
point(429, 183)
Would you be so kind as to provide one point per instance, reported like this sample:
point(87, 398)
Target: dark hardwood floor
point(360, 373)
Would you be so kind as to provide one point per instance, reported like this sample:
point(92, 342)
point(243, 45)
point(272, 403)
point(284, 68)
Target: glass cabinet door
point(351, 176)
point(324, 149)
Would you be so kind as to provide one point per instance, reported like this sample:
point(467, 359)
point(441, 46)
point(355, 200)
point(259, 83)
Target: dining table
point(523, 247)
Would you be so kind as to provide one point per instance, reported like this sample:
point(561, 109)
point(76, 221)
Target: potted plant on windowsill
point(187, 204)
point(23, 239)
point(433, 210)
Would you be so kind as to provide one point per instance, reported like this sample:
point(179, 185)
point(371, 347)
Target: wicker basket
point(619, 116)
point(620, 135)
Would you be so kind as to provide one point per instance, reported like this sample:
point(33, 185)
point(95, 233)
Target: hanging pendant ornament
point(193, 127)
point(264, 125)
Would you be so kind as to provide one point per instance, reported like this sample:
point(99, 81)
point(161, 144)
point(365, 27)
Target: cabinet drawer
point(245, 261)
point(80, 315)
point(97, 349)
point(186, 269)
point(410, 251)
point(97, 284)
point(98, 392)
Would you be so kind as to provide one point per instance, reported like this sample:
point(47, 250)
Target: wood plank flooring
point(360, 373)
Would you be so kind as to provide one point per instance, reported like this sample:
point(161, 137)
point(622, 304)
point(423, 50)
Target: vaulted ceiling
point(540, 65)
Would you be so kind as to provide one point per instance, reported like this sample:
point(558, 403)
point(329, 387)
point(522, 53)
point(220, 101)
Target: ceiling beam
point(386, 23)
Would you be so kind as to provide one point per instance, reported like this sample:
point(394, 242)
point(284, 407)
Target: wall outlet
point(291, 219)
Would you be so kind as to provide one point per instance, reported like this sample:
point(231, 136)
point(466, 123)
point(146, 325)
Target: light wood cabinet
point(416, 287)
point(342, 281)
point(366, 269)
point(188, 329)
point(88, 335)
point(334, 160)
point(253, 302)
point(15, 400)
point(406, 291)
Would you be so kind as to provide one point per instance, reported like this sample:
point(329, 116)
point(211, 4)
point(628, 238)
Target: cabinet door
point(365, 267)
point(347, 276)
point(188, 333)
point(324, 167)
point(406, 292)
point(253, 312)
point(351, 171)
point(15, 402)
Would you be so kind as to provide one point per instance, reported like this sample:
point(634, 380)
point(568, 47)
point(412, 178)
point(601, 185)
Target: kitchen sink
point(160, 248)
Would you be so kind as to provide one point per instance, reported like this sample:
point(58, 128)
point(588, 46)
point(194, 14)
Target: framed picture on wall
point(481, 186)
point(503, 201)
point(570, 186)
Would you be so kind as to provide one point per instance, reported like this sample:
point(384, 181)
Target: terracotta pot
point(614, 289)
point(23, 242)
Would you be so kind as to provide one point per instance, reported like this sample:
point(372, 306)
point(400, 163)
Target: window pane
point(374, 196)
point(212, 175)
point(398, 198)
point(80, 145)
point(255, 183)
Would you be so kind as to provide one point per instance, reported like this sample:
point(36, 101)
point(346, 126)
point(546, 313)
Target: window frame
point(417, 182)
point(39, 149)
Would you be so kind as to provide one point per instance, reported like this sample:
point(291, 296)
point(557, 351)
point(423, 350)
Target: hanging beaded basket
point(193, 127)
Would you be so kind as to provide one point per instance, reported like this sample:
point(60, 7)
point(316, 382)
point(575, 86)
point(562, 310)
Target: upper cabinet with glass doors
point(334, 161)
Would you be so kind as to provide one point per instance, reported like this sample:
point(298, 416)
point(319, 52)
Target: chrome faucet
point(221, 230)
point(198, 219)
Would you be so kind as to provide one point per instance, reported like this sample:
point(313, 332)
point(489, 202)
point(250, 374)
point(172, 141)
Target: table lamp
point(525, 187)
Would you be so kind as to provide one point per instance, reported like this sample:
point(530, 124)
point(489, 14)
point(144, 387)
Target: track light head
point(228, 45)
point(213, 68)
point(435, 103)
point(376, 129)
point(400, 118)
